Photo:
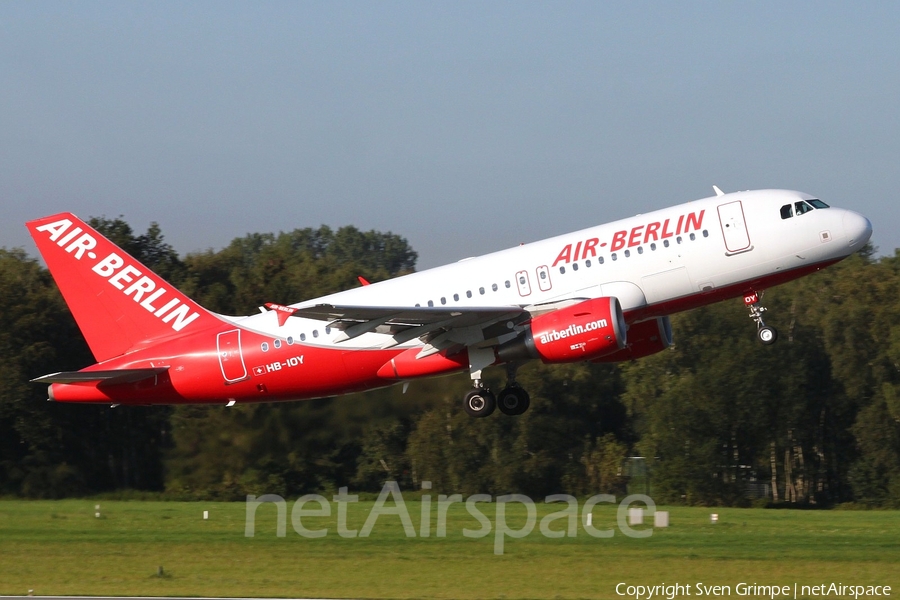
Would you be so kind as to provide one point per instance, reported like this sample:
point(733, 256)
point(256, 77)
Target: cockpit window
point(817, 203)
point(802, 207)
point(786, 211)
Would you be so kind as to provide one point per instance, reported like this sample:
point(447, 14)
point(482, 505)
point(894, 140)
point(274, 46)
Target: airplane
point(601, 294)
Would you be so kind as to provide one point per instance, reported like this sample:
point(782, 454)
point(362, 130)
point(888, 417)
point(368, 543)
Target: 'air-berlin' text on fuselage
point(143, 290)
point(641, 234)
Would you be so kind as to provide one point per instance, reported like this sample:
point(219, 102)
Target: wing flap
point(407, 323)
point(406, 316)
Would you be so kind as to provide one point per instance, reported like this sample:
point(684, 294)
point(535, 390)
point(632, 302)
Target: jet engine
point(583, 331)
point(644, 338)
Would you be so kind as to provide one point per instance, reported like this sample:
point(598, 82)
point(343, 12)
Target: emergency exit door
point(524, 283)
point(734, 227)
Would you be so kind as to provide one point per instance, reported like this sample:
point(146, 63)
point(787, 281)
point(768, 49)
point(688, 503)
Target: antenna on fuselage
point(718, 191)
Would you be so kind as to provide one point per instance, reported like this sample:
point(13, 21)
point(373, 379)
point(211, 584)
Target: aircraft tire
point(767, 335)
point(513, 401)
point(479, 403)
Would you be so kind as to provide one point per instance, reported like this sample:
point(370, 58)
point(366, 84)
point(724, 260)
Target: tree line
point(718, 419)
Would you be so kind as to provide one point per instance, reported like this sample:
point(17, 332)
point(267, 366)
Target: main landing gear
point(480, 402)
point(512, 400)
point(767, 335)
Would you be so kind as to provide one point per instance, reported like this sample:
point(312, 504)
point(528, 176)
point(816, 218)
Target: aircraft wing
point(405, 323)
point(108, 377)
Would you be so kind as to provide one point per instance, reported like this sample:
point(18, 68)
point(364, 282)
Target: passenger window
point(430, 303)
point(640, 249)
point(522, 280)
point(587, 263)
point(653, 246)
point(494, 287)
point(627, 253)
point(443, 300)
point(456, 297)
point(264, 346)
point(302, 337)
point(613, 256)
point(574, 266)
point(507, 284)
point(543, 274)
point(801, 208)
point(666, 243)
point(481, 291)
point(786, 212)
point(277, 344)
point(468, 293)
point(678, 239)
point(693, 237)
point(290, 341)
point(600, 260)
point(315, 333)
point(562, 270)
point(705, 233)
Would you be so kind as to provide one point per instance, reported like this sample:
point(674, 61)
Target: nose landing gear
point(767, 335)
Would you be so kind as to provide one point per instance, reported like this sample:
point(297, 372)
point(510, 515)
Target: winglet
point(718, 191)
point(281, 311)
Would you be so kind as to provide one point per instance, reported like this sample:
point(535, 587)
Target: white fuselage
point(646, 261)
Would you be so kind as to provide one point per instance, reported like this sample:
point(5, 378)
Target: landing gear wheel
point(479, 403)
point(767, 335)
point(513, 401)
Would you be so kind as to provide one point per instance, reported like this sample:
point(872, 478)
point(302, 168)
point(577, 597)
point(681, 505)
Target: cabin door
point(231, 359)
point(734, 227)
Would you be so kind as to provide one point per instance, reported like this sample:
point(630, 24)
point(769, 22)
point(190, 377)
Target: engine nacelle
point(583, 331)
point(644, 338)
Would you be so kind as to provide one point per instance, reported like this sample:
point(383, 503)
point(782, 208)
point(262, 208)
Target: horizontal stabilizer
point(108, 377)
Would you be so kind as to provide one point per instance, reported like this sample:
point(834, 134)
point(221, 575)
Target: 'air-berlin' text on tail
point(118, 303)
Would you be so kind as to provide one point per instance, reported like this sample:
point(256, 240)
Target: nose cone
point(857, 228)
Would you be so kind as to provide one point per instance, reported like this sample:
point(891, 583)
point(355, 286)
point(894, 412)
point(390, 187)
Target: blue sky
point(465, 127)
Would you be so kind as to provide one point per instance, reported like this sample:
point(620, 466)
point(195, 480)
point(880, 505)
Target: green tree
point(715, 409)
point(293, 266)
point(858, 303)
point(291, 448)
point(49, 449)
point(542, 452)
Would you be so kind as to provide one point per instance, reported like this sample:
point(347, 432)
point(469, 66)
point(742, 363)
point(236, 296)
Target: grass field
point(62, 548)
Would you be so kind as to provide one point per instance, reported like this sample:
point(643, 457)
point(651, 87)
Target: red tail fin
point(117, 302)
